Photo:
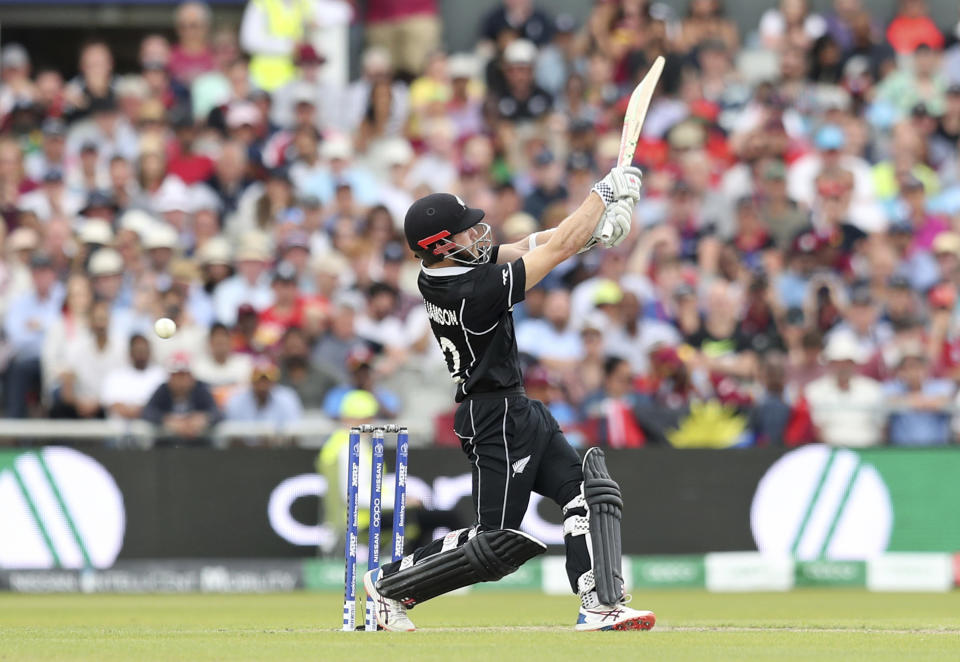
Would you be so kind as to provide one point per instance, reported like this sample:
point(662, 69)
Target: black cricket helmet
point(433, 219)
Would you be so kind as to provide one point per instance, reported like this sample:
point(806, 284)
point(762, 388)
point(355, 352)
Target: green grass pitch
point(836, 624)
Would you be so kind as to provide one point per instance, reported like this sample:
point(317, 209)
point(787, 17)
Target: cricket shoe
point(616, 617)
point(391, 614)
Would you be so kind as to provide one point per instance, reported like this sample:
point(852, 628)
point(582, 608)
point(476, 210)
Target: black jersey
point(470, 313)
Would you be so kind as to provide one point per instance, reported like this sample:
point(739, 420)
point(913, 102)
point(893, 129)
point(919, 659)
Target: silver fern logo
point(520, 465)
point(59, 508)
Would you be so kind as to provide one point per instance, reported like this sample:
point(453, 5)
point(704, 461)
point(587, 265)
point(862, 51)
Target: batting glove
point(620, 182)
point(614, 225)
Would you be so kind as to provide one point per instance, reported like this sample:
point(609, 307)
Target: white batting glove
point(620, 182)
point(614, 225)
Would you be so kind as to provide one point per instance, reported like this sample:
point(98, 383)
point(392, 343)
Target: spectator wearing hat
point(52, 198)
point(287, 309)
point(250, 285)
point(127, 388)
point(15, 267)
point(182, 407)
point(846, 408)
point(309, 89)
point(17, 85)
point(191, 55)
point(106, 128)
point(861, 323)
point(90, 357)
point(548, 184)
point(780, 213)
point(264, 400)
point(220, 367)
point(918, 401)
point(52, 152)
point(28, 317)
point(521, 99)
point(830, 142)
point(361, 375)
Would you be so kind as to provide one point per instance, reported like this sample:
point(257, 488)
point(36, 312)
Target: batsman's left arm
point(516, 250)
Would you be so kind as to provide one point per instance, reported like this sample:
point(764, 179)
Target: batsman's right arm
point(568, 238)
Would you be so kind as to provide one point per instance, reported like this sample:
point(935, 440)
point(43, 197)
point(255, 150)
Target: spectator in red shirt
point(182, 161)
point(287, 308)
point(192, 55)
point(912, 27)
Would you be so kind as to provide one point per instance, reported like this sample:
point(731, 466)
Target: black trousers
point(515, 447)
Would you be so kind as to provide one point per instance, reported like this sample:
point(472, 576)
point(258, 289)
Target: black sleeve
point(496, 288)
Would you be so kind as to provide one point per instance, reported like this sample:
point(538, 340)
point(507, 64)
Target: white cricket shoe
point(616, 617)
point(391, 614)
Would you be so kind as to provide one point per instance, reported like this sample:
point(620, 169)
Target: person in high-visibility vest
point(358, 407)
point(270, 32)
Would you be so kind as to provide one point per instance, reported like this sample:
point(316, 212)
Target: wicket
point(377, 433)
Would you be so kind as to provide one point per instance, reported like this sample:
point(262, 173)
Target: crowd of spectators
point(792, 274)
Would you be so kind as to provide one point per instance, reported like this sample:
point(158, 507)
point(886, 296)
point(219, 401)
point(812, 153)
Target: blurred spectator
point(520, 17)
point(770, 414)
point(919, 403)
point(90, 357)
point(264, 400)
point(127, 388)
point(222, 369)
point(409, 31)
point(192, 55)
point(182, 407)
point(552, 340)
point(360, 368)
point(251, 284)
point(311, 381)
point(27, 320)
point(846, 408)
point(912, 26)
point(613, 406)
point(270, 32)
point(521, 99)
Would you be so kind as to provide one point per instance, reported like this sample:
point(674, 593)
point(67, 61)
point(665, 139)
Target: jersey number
point(451, 354)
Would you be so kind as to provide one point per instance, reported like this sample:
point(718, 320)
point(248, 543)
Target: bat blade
point(633, 122)
point(637, 112)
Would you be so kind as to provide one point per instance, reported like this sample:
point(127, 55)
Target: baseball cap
point(947, 242)
point(520, 51)
point(285, 273)
point(336, 147)
point(830, 137)
point(241, 114)
point(436, 216)
point(136, 220)
point(178, 362)
point(843, 346)
point(95, 231)
point(160, 235)
point(461, 65)
point(307, 54)
point(14, 56)
point(105, 262)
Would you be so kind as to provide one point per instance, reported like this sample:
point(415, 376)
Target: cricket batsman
point(513, 443)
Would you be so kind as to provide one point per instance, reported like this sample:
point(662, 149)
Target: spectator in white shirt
point(552, 340)
point(847, 409)
point(222, 369)
point(126, 389)
point(90, 357)
point(250, 285)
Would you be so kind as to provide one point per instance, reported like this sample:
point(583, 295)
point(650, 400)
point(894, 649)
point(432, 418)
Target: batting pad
point(485, 557)
point(605, 505)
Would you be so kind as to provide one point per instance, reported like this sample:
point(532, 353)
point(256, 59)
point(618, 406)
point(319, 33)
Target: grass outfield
point(802, 625)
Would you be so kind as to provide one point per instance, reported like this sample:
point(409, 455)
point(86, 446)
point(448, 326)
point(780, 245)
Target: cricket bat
point(633, 121)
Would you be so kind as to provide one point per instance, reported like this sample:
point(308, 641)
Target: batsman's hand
point(614, 225)
point(620, 182)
